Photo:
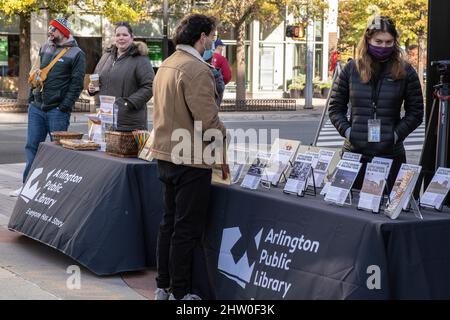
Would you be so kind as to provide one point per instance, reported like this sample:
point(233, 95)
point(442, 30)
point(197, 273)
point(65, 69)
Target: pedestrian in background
point(218, 78)
point(126, 73)
point(377, 83)
point(220, 62)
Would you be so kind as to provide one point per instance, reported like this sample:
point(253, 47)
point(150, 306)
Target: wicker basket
point(58, 135)
point(121, 144)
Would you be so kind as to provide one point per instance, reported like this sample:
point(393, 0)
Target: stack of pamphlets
point(321, 167)
point(437, 190)
point(373, 187)
point(301, 171)
point(348, 156)
point(282, 153)
point(256, 171)
point(237, 160)
point(345, 176)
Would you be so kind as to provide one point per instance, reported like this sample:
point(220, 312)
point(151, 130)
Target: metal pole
point(336, 73)
point(443, 127)
point(309, 65)
point(165, 29)
point(284, 51)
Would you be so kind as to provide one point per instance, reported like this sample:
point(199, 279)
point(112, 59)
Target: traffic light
point(295, 32)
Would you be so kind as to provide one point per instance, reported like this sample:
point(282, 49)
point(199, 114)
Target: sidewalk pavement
point(30, 270)
point(300, 113)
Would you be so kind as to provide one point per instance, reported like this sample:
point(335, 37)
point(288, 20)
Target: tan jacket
point(184, 92)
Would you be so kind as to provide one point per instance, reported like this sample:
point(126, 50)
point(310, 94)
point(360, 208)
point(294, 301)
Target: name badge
point(374, 130)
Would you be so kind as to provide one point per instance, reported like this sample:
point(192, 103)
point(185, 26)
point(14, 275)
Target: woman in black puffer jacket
point(376, 84)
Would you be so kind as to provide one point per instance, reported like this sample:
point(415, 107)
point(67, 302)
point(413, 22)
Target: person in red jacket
point(220, 62)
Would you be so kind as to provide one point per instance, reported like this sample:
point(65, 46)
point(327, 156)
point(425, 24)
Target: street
point(13, 136)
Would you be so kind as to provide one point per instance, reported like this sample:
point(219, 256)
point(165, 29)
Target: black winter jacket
point(393, 93)
point(64, 81)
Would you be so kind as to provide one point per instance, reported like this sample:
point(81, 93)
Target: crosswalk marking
point(330, 137)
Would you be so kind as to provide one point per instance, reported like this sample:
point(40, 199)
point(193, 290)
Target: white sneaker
point(188, 296)
point(15, 193)
point(162, 294)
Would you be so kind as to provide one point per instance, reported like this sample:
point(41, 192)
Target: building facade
point(272, 60)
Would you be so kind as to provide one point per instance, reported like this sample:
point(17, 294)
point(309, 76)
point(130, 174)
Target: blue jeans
point(40, 124)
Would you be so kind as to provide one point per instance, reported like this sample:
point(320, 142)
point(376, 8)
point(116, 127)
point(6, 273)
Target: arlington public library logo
point(240, 271)
point(30, 190)
point(275, 251)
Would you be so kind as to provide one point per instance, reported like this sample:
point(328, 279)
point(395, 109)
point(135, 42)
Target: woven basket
point(121, 144)
point(58, 135)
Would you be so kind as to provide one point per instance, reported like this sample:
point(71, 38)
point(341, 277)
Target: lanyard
point(376, 88)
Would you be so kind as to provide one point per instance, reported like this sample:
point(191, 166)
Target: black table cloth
point(102, 211)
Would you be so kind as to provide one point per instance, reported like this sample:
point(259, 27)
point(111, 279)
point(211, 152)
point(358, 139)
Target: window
point(318, 30)
point(299, 66)
point(318, 61)
point(9, 55)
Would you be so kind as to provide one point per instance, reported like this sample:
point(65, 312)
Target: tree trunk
point(240, 63)
point(24, 60)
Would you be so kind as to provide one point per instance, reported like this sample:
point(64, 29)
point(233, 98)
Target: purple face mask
point(380, 53)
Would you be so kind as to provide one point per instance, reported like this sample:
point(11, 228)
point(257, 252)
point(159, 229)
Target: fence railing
point(82, 105)
point(258, 105)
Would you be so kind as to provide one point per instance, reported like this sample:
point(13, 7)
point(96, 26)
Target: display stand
point(307, 190)
point(385, 201)
point(265, 183)
point(414, 207)
point(283, 174)
point(349, 200)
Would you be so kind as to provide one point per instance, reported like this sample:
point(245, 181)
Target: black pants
point(186, 197)
point(396, 164)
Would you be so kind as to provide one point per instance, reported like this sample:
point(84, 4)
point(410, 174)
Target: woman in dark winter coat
point(376, 84)
point(127, 74)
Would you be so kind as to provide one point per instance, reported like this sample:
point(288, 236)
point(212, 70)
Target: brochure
point(301, 171)
point(321, 167)
point(256, 171)
point(373, 187)
point(345, 176)
point(437, 190)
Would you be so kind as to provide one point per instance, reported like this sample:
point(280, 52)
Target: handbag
point(38, 77)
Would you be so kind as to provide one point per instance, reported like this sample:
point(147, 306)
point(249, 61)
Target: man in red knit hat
point(51, 102)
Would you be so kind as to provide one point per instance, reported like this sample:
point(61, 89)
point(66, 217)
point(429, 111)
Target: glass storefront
point(9, 47)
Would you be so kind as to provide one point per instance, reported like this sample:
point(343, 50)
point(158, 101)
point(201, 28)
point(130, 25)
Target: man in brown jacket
point(184, 107)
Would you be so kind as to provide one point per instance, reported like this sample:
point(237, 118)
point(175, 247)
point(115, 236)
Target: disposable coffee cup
point(95, 80)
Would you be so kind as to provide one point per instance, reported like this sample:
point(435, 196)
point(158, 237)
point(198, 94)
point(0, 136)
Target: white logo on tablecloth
point(275, 252)
point(241, 271)
point(29, 191)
